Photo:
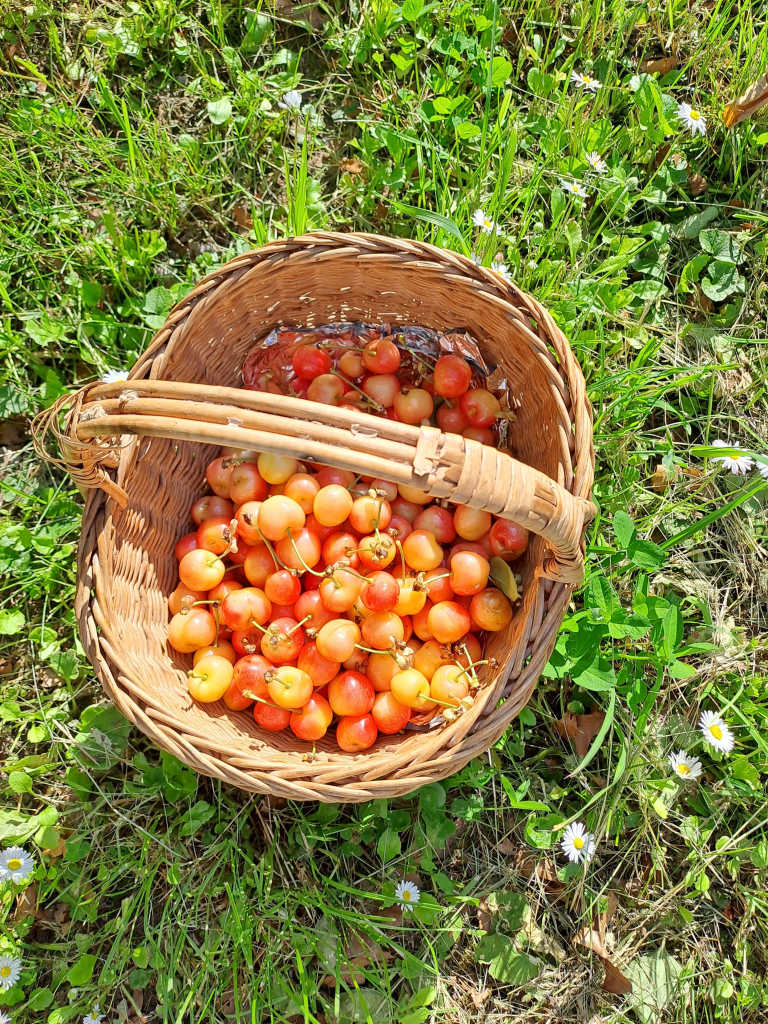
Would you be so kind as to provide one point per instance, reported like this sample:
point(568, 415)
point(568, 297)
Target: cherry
point(222, 648)
point(246, 607)
point(368, 514)
point(323, 532)
point(201, 569)
point(438, 584)
point(411, 689)
point(215, 534)
point(259, 564)
point(480, 407)
point(288, 686)
point(356, 732)
point(491, 610)
point(380, 592)
point(310, 361)
point(413, 405)
point(311, 604)
point(387, 487)
point(185, 544)
point(452, 376)
point(422, 552)
point(278, 514)
point(303, 488)
point(430, 656)
point(351, 693)
point(351, 364)
point(508, 540)
point(414, 495)
point(191, 631)
point(451, 420)
point(379, 629)
point(389, 714)
point(220, 591)
point(311, 721)
point(327, 475)
point(438, 521)
point(248, 675)
point(283, 641)
point(300, 550)
point(448, 621)
point(332, 504)
point(247, 517)
point(271, 718)
point(449, 684)
point(246, 484)
point(377, 551)
point(340, 591)
point(282, 587)
point(421, 622)
point(382, 388)
point(341, 547)
point(482, 434)
point(218, 477)
point(277, 469)
point(470, 572)
point(209, 679)
point(337, 639)
point(380, 670)
point(407, 509)
point(399, 527)
point(471, 523)
point(320, 669)
point(326, 389)
point(176, 601)
point(381, 356)
point(210, 505)
point(412, 597)
point(474, 650)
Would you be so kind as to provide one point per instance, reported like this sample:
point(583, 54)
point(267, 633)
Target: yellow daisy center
point(14, 863)
point(5, 972)
point(716, 731)
point(578, 842)
point(407, 895)
point(696, 116)
point(487, 223)
point(683, 769)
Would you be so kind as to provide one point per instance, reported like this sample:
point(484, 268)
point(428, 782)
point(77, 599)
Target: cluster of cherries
point(312, 595)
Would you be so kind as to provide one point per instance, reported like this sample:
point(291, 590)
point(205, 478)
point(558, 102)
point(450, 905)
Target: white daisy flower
point(685, 766)
point(502, 269)
point(94, 1017)
point(739, 465)
point(292, 100)
point(692, 119)
point(716, 732)
point(408, 895)
point(762, 469)
point(5, 1018)
point(486, 225)
point(10, 969)
point(16, 864)
point(582, 81)
point(596, 162)
point(578, 844)
point(114, 376)
point(573, 188)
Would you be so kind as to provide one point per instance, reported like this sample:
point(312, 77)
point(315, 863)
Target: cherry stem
point(275, 556)
point(298, 625)
point(261, 700)
point(366, 398)
point(298, 555)
point(258, 625)
point(372, 650)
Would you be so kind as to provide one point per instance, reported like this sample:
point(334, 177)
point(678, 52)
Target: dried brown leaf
point(580, 729)
point(660, 479)
point(697, 184)
point(242, 217)
point(478, 998)
point(351, 165)
point(26, 904)
point(506, 847)
point(748, 104)
point(614, 980)
point(591, 939)
point(658, 65)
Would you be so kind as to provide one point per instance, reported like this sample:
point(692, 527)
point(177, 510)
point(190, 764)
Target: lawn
point(143, 144)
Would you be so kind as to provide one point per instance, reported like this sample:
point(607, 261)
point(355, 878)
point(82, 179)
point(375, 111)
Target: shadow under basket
point(141, 447)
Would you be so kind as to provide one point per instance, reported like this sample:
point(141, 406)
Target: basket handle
point(443, 465)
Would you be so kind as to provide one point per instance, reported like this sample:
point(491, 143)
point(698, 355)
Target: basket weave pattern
point(184, 392)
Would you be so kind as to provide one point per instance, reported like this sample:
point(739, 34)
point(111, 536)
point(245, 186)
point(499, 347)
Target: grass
point(142, 145)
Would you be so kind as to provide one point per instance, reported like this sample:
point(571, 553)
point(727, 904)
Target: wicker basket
point(137, 448)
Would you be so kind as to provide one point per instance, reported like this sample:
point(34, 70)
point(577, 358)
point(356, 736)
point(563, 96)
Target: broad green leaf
point(721, 245)
point(412, 9)
point(594, 673)
point(491, 946)
point(540, 83)
point(655, 984)
point(690, 227)
point(680, 670)
point(388, 846)
point(40, 999)
point(220, 111)
point(632, 626)
point(744, 771)
point(467, 130)
point(646, 554)
point(623, 528)
point(504, 578)
point(81, 972)
point(691, 271)
point(11, 622)
point(722, 279)
point(20, 782)
point(500, 72)
point(507, 965)
point(672, 630)
point(510, 906)
point(538, 831)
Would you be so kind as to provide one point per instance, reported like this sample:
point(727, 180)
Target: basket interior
point(137, 566)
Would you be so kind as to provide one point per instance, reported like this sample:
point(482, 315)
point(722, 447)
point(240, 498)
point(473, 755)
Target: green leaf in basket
point(504, 578)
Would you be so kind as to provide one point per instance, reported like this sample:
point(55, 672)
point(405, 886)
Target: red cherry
point(310, 361)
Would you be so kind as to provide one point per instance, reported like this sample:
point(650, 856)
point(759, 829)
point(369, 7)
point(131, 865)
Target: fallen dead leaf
point(478, 998)
point(614, 981)
point(58, 850)
point(26, 904)
point(660, 479)
point(242, 217)
point(658, 65)
point(705, 302)
point(580, 729)
point(697, 184)
point(506, 847)
point(748, 104)
point(351, 165)
point(528, 864)
point(483, 916)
